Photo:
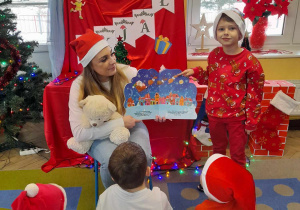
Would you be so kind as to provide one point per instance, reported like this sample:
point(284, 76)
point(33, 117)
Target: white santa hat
point(88, 45)
point(41, 197)
point(223, 181)
point(236, 16)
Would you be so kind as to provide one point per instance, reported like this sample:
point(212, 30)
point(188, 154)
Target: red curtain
point(101, 12)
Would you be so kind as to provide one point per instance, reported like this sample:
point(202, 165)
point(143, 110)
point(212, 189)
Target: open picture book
point(162, 93)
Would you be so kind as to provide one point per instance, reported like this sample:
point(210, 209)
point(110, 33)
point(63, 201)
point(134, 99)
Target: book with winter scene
point(162, 93)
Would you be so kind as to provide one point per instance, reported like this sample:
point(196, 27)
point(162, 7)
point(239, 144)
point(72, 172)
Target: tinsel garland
point(11, 70)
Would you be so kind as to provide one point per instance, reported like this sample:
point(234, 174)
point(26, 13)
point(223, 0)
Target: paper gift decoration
point(162, 45)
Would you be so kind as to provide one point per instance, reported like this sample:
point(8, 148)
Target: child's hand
point(129, 122)
point(186, 73)
point(248, 131)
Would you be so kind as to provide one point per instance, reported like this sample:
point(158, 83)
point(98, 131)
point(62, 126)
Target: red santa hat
point(226, 182)
point(87, 46)
point(41, 196)
point(236, 16)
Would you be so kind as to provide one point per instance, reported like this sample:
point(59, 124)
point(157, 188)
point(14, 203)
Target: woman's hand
point(186, 73)
point(160, 119)
point(129, 122)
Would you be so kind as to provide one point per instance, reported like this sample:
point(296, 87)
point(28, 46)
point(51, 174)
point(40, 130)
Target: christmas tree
point(21, 83)
point(121, 53)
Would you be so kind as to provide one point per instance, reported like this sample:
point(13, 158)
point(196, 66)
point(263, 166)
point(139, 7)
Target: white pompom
point(32, 190)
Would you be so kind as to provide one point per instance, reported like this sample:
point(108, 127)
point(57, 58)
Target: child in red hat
point(227, 185)
point(41, 197)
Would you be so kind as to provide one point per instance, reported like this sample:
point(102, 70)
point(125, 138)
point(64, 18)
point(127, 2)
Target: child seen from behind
point(128, 168)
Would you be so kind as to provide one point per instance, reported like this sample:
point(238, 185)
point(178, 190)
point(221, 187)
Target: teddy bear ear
point(83, 102)
point(112, 107)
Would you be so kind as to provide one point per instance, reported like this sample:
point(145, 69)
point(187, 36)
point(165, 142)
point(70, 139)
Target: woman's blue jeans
point(101, 150)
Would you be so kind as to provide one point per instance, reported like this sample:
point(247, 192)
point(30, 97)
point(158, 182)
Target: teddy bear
point(41, 196)
point(97, 110)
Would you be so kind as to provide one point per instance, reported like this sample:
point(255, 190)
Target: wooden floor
point(34, 133)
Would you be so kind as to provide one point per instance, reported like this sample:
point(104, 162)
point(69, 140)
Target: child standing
point(235, 82)
point(128, 168)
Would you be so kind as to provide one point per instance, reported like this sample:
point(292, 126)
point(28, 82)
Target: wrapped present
point(162, 45)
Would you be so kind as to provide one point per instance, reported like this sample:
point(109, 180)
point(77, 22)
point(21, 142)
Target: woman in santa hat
point(103, 76)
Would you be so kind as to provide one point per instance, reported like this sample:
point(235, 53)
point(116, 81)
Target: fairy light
point(159, 177)
point(167, 174)
point(247, 165)
point(181, 171)
point(186, 142)
point(58, 81)
point(4, 63)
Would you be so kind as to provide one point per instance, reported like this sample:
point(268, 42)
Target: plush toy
point(96, 110)
point(41, 196)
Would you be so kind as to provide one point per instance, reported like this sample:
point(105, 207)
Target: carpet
point(77, 182)
point(270, 194)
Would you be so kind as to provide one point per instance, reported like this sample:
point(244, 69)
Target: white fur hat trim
point(284, 103)
point(235, 15)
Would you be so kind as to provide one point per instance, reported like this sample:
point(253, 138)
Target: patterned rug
point(270, 194)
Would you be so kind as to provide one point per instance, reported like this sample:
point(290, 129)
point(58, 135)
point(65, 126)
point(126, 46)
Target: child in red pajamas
point(235, 82)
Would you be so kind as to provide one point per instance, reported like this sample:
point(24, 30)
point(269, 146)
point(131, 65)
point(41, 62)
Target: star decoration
point(119, 38)
point(202, 27)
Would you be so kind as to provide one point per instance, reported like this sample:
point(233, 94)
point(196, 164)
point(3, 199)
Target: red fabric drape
point(57, 127)
point(101, 12)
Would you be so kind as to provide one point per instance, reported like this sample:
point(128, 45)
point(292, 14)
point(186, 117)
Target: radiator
point(296, 111)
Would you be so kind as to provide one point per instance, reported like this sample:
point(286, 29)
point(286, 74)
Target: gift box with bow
point(162, 45)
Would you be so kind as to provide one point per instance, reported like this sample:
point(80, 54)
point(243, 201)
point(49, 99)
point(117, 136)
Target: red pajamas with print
point(235, 88)
point(225, 130)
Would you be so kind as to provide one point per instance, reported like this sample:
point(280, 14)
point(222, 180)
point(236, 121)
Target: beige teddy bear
point(97, 110)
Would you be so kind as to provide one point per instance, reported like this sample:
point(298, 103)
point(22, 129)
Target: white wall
point(41, 57)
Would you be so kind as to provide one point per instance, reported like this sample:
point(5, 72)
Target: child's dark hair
point(128, 165)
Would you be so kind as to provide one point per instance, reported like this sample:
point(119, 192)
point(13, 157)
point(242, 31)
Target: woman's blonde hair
point(91, 85)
